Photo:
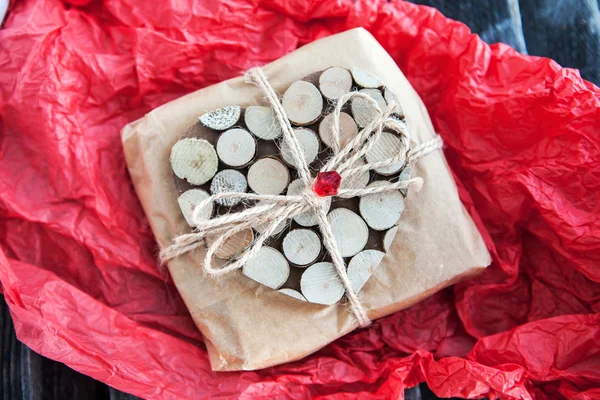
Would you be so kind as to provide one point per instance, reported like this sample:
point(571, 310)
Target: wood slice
point(262, 227)
point(194, 160)
point(382, 210)
point(386, 147)
point(189, 200)
point(388, 238)
point(390, 97)
point(307, 218)
point(363, 111)
point(236, 147)
point(232, 246)
point(268, 267)
point(292, 293)
point(348, 129)
point(404, 176)
point(262, 123)
point(302, 103)
point(335, 82)
point(349, 230)
point(228, 181)
point(364, 78)
point(268, 176)
point(309, 142)
point(301, 247)
point(356, 180)
point(320, 284)
point(222, 118)
point(362, 266)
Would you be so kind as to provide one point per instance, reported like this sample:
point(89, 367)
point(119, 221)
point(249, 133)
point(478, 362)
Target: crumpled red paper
point(78, 261)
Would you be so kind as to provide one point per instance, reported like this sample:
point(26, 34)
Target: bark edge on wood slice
point(221, 118)
point(236, 147)
point(307, 218)
point(302, 103)
point(320, 284)
point(365, 79)
point(268, 175)
point(309, 142)
point(334, 82)
point(194, 160)
point(382, 210)
point(232, 246)
point(189, 200)
point(228, 181)
point(348, 129)
point(292, 293)
point(362, 266)
point(349, 230)
point(390, 97)
point(262, 123)
point(301, 247)
point(386, 146)
point(268, 267)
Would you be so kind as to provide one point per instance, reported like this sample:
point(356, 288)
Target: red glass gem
point(327, 183)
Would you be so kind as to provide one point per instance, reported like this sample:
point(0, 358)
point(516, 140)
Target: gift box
point(249, 326)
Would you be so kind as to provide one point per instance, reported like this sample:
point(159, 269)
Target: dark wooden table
point(570, 38)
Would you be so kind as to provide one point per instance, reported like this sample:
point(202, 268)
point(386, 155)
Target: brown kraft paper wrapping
point(248, 326)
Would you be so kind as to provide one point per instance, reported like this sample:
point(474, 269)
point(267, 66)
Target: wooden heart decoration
point(241, 150)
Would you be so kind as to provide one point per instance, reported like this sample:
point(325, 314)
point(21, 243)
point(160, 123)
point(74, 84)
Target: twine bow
point(273, 210)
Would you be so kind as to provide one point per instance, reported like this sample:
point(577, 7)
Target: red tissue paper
point(78, 262)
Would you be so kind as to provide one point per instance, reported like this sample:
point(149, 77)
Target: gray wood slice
point(388, 238)
point(349, 230)
point(362, 266)
point(356, 180)
point(390, 97)
point(189, 200)
point(404, 176)
point(268, 267)
point(309, 142)
point(301, 247)
point(232, 246)
point(236, 147)
point(320, 284)
point(363, 111)
point(364, 78)
point(228, 181)
point(335, 82)
point(302, 103)
point(382, 210)
point(262, 227)
point(194, 160)
point(262, 123)
point(268, 176)
point(222, 118)
point(348, 129)
point(375, 94)
point(387, 146)
point(307, 218)
point(292, 293)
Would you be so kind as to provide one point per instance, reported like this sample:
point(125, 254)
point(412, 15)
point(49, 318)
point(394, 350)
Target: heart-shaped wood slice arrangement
point(239, 150)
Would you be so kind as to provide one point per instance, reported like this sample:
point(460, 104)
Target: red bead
point(327, 183)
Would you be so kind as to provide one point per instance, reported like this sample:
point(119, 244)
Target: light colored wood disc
point(387, 146)
point(363, 111)
point(262, 227)
point(268, 176)
point(189, 200)
point(302, 103)
point(335, 82)
point(228, 181)
point(348, 129)
point(362, 266)
point(364, 78)
point(349, 230)
point(307, 218)
point(232, 246)
point(382, 210)
point(309, 142)
point(194, 160)
point(268, 267)
point(262, 123)
point(320, 284)
point(301, 246)
point(356, 180)
point(292, 293)
point(222, 118)
point(390, 97)
point(236, 147)
point(388, 238)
